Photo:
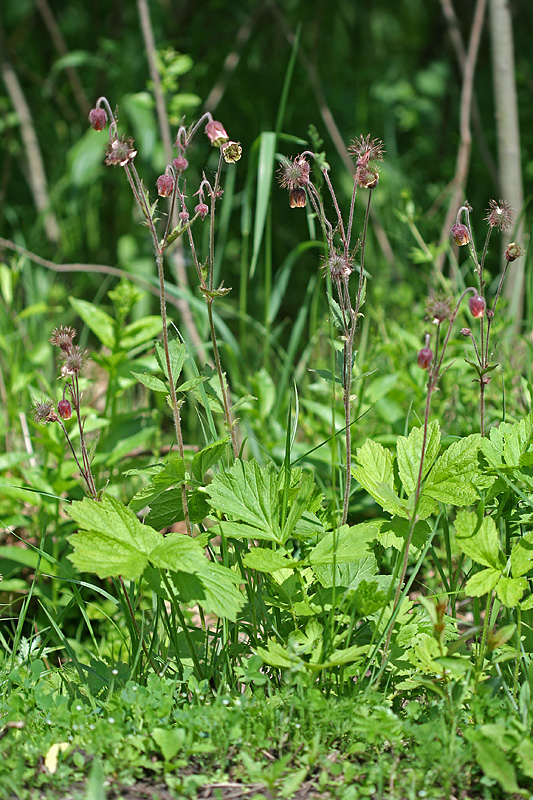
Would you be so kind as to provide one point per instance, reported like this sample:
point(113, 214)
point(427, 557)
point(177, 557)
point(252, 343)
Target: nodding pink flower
point(425, 357)
point(98, 119)
point(180, 164)
point(202, 209)
point(64, 409)
point(476, 305)
point(294, 174)
point(297, 198)
point(216, 133)
point(460, 234)
point(165, 185)
point(184, 215)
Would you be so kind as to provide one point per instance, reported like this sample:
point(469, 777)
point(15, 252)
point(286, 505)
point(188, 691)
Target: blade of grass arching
point(246, 226)
point(265, 170)
point(283, 276)
point(294, 342)
point(288, 80)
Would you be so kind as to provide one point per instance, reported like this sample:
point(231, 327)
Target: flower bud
point(514, 251)
point(216, 133)
point(425, 357)
point(460, 234)
point(476, 305)
point(180, 163)
point(64, 409)
point(202, 209)
point(466, 332)
point(297, 198)
point(232, 152)
point(165, 185)
point(98, 119)
point(184, 216)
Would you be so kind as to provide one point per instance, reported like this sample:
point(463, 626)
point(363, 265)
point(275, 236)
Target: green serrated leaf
point(151, 381)
point(249, 493)
point(214, 589)
point(479, 540)
point(455, 475)
point(191, 384)
point(208, 457)
point(482, 582)
point(112, 541)
point(374, 468)
point(522, 555)
point(409, 452)
point(511, 590)
point(327, 375)
point(141, 331)
point(265, 560)
point(344, 545)
point(171, 474)
point(177, 352)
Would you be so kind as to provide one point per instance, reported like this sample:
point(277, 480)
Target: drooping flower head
point(97, 119)
point(514, 251)
point(120, 152)
point(294, 176)
point(460, 234)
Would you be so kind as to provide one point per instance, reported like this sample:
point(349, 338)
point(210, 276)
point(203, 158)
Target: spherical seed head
point(294, 174)
point(297, 198)
point(202, 209)
point(216, 133)
point(43, 411)
point(180, 164)
point(366, 149)
point(460, 234)
point(97, 119)
point(62, 337)
point(64, 409)
point(500, 215)
point(231, 152)
point(476, 305)
point(338, 265)
point(165, 185)
point(514, 251)
point(439, 306)
point(120, 152)
point(425, 357)
point(74, 361)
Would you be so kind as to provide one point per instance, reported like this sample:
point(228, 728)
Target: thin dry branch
point(465, 143)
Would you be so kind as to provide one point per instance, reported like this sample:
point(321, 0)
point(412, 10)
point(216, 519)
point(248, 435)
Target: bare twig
point(465, 144)
point(62, 49)
point(35, 173)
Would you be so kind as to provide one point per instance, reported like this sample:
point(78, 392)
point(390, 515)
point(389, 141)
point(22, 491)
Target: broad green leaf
point(151, 382)
point(249, 493)
point(409, 451)
point(266, 560)
point(275, 655)
point(344, 545)
point(349, 575)
point(180, 553)
point(374, 470)
point(454, 476)
point(99, 322)
point(111, 541)
point(186, 386)
point(522, 555)
point(482, 582)
point(346, 656)
point(511, 590)
point(177, 351)
point(208, 457)
point(238, 530)
point(141, 331)
point(215, 589)
point(169, 740)
point(478, 540)
point(369, 598)
point(517, 441)
point(525, 754)
point(167, 509)
point(171, 474)
point(305, 497)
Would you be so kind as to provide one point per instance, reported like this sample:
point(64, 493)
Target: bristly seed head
point(366, 149)
point(44, 411)
point(119, 152)
point(500, 215)
point(439, 306)
point(74, 361)
point(294, 174)
point(338, 265)
point(62, 337)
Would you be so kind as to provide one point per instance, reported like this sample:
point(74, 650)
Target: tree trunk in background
point(510, 171)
